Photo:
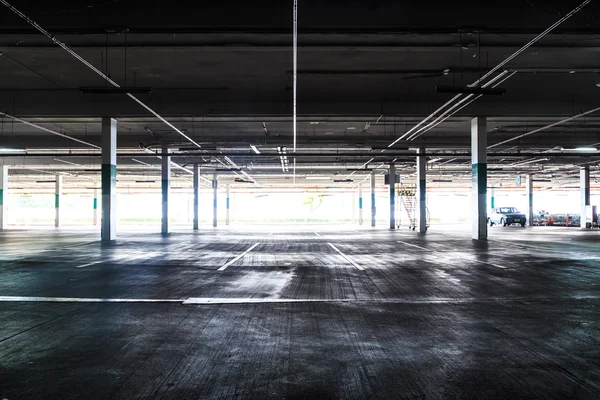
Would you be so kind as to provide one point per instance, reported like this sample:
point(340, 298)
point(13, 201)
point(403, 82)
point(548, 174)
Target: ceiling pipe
point(90, 66)
point(561, 122)
point(452, 110)
point(493, 70)
point(48, 130)
point(371, 156)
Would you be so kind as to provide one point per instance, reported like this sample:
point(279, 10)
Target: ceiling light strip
point(48, 130)
point(563, 121)
point(493, 70)
point(431, 126)
point(90, 66)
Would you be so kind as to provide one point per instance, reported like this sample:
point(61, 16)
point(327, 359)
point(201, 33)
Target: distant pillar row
point(529, 188)
point(479, 174)
point(360, 204)
point(165, 188)
point(227, 206)
point(421, 191)
point(215, 186)
point(109, 179)
point(95, 206)
point(196, 195)
point(392, 196)
point(3, 193)
point(373, 208)
point(584, 178)
point(57, 197)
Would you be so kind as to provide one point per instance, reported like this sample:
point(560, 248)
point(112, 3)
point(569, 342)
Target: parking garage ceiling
point(368, 74)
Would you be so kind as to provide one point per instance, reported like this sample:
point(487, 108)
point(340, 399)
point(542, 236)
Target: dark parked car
point(506, 216)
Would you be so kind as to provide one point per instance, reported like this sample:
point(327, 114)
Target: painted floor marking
point(238, 257)
point(84, 300)
point(253, 300)
point(418, 300)
point(413, 245)
point(316, 233)
point(345, 257)
point(87, 265)
point(482, 262)
point(270, 234)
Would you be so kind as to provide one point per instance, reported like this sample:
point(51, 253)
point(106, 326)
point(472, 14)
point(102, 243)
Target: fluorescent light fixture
point(585, 148)
point(147, 182)
point(329, 133)
point(145, 163)
point(66, 162)
point(434, 160)
point(11, 150)
point(528, 162)
point(114, 90)
point(471, 90)
point(314, 122)
point(317, 178)
point(254, 149)
point(351, 128)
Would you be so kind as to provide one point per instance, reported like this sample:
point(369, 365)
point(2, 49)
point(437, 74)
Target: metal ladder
point(408, 200)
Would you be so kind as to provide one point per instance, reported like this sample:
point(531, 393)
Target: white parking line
point(316, 233)
point(270, 234)
point(84, 300)
point(238, 257)
point(413, 245)
point(87, 265)
point(482, 262)
point(345, 257)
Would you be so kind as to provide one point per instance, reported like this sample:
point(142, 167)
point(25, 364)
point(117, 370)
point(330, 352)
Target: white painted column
point(479, 174)
point(373, 208)
point(95, 206)
point(227, 206)
point(165, 188)
point(529, 189)
point(57, 198)
point(584, 185)
point(215, 185)
point(392, 196)
point(108, 227)
point(421, 191)
point(360, 204)
point(3, 196)
point(196, 195)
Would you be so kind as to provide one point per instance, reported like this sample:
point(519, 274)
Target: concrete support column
point(529, 188)
point(3, 195)
point(373, 208)
point(584, 185)
point(215, 186)
point(360, 204)
point(421, 191)
point(57, 197)
point(108, 227)
point(392, 196)
point(227, 206)
point(165, 188)
point(95, 207)
point(196, 195)
point(479, 173)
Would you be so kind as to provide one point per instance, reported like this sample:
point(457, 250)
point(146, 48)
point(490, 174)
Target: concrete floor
point(309, 312)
